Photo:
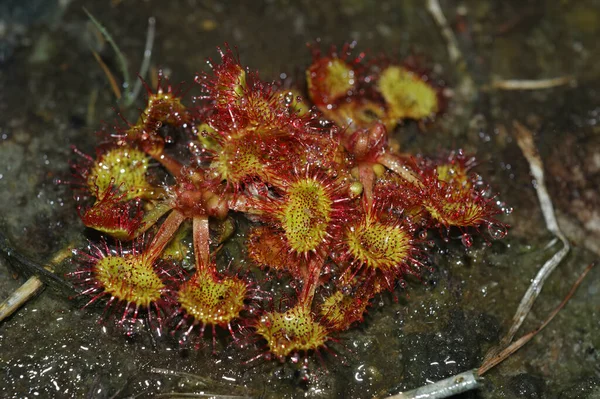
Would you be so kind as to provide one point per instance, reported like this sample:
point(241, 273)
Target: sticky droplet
point(467, 240)
point(497, 231)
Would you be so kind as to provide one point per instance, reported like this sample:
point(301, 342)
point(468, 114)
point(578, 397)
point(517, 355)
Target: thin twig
point(20, 296)
point(450, 386)
point(90, 116)
point(471, 379)
point(111, 79)
point(466, 87)
point(515, 346)
point(120, 57)
point(150, 34)
point(537, 84)
point(40, 275)
point(433, 6)
point(132, 91)
point(525, 142)
point(454, 385)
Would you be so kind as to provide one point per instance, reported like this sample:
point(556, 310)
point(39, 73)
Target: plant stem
point(394, 164)
point(164, 234)
point(201, 235)
point(366, 176)
point(312, 281)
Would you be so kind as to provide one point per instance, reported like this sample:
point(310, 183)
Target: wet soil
point(54, 95)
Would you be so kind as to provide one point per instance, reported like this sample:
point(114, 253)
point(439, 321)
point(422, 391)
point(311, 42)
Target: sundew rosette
point(331, 213)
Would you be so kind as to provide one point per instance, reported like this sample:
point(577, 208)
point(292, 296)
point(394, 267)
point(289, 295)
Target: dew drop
point(486, 192)
point(423, 235)
point(497, 231)
point(288, 98)
point(295, 358)
point(467, 240)
point(346, 290)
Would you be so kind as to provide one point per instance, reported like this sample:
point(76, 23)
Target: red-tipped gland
point(407, 95)
point(228, 85)
point(123, 169)
point(377, 246)
point(131, 282)
point(309, 212)
point(331, 78)
point(112, 216)
point(451, 196)
point(164, 104)
point(296, 330)
point(243, 159)
point(267, 247)
point(208, 300)
point(340, 310)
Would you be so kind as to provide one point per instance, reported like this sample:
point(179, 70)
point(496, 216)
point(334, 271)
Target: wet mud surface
point(54, 95)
